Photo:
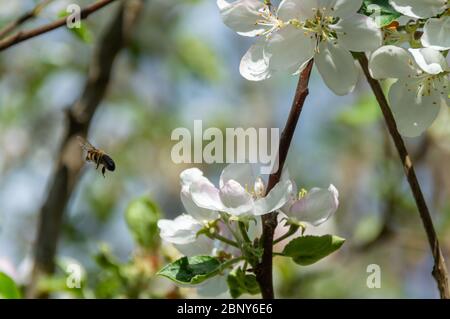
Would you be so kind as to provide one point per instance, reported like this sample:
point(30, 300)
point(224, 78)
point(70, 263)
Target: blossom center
point(268, 20)
point(319, 27)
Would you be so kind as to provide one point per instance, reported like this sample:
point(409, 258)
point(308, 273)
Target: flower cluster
point(329, 31)
point(222, 221)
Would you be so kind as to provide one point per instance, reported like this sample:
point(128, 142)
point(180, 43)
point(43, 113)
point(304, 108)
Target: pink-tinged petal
point(235, 198)
point(206, 195)
point(276, 199)
point(316, 207)
point(199, 213)
point(188, 176)
point(239, 172)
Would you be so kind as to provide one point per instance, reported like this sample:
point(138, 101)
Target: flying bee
point(97, 156)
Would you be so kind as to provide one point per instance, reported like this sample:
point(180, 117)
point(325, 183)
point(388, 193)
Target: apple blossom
point(240, 193)
point(314, 207)
point(422, 86)
point(326, 30)
point(436, 31)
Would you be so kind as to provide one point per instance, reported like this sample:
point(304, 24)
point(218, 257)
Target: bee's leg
point(103, 171)
point(98, 161)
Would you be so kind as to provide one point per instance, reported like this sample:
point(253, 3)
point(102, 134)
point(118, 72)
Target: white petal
point(392, 62)
point(419, 8)
point(199, 213)
point(341, 8)
point(236, 199)
point(188, 176)
point(297, 9)
point(206, 195)
point(413, 112)
point(289, 48)
point(276, 199)
point(201, 246)
point(358, 33)
point(317, 206)
point(241, 16)
point(240, 172)
point(182, 230)
point(253, 66)
point(429, 60)
point(436, 34)
point(337, 68)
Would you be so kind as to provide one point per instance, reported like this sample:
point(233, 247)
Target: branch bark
point(25, 35)
point(439, 270)
point(23, 18)
point(70, 159)
point(263, 271)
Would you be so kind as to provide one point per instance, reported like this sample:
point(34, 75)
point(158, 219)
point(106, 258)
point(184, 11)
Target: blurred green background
point(181, 66)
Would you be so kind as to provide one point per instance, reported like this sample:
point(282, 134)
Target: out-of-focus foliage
point(183, 65)
point(8, 288)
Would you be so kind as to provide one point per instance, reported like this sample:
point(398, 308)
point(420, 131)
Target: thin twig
point(439, 269)
point(25, 35)
point(70, 160)
point(23, 18)
point(263, 271)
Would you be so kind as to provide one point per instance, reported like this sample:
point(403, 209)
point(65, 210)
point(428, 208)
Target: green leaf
point(240, 283)
point(363, 113)
point(83, 32)
point(307, 250)
point(383, 8)
point(142, 217)
point(191, 270)
point(8, 288)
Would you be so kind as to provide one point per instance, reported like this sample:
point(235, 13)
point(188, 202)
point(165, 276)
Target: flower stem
point(292, 230)
point(225, 240)
point(439, 269)
point(244, 232)
point(263, 270)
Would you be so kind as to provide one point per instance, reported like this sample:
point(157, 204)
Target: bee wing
point(85, 145)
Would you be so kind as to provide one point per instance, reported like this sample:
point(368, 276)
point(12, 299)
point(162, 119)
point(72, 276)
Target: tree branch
point(439, 269)
point(263, 271)
point(25, 35)
point(23, 18)
point(70, 161)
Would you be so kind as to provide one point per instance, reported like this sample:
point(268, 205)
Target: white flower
point(436, 33)
point(182, 233)
point(419, 8)
point(422, 86)
point(315, 207)
point(187, 177)
point(300, 30)
point(240, 193)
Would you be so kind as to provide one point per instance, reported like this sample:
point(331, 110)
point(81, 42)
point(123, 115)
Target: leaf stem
point(292, 230)
point(224, 239)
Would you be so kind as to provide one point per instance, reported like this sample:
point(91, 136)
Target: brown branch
point(70, 159)
point(25, 35)
point(439, 269)
point(263, 271)
point(23, 18)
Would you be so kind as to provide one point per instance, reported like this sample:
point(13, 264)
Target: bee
point(97, 156)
